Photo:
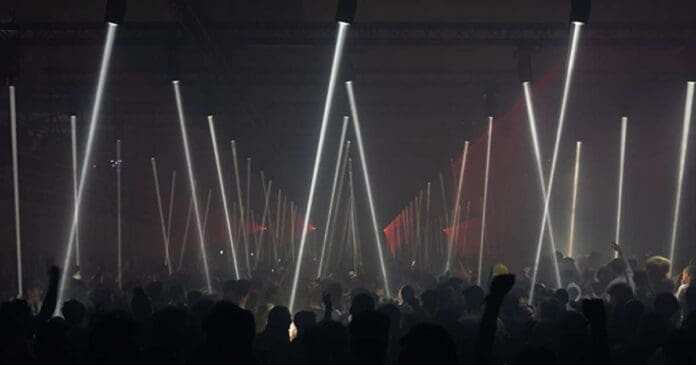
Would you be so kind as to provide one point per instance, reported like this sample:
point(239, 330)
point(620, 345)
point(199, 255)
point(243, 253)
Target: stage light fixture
point(115, 11)
point(580, 11)
point(345, 12)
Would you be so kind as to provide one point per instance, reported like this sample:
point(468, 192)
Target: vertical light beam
point(192, 183)
point(334, 184)
point(15, 186)
point(93, 123)
point(576, 177)
point(485, 199)
point(73, 142)
point(455, 212)
point(577, 28)
point(223, 196)
point(165, 239)
point(682, 163)
point(338, 51)
point(185, 237)
point(240, 204)
point(622, 159)
point(119, 227)
point(368, 185)
point(531, 118)
point(172, 189)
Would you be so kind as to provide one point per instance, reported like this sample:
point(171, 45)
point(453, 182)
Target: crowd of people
point(620, 312)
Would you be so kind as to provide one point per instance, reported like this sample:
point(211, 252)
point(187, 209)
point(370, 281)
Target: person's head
point(689, 275)
point(229, 327)
point(240, 292)
point(369, 337)
point(407, 294)
point(562, 296)
point(361, 303)
point(474, 297)
point(657, 268)
point(429, 300)
point(73, 312)
point(304, 320)
point(279, 319)
point(427, 344)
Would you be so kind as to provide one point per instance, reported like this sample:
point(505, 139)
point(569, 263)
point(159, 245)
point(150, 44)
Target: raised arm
point(48, 306)
point(500, 286)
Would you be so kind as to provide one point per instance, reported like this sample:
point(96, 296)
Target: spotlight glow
point(485, 200)
point(577, 28)
point(456, 211)
point(368, 186)
point(340, 40)
point(192, 183)
point(103, 70)
point(15, 186)
point(576, 175)
point(622, 158)
point(223, 196)
point(73, 142)
point(531, 118)
point(334, 184)
point(240, 204)
point(165, 239)
point(682, 163)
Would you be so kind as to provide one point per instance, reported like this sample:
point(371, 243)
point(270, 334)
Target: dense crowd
point(621, 312)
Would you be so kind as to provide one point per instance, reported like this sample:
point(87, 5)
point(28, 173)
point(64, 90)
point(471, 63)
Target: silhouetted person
point(427, 344)
point(272, 346)
point(369, 338)
point(229, 336)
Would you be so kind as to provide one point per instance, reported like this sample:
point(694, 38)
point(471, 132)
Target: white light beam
point(15, 186)
point(455, 212)
point(531, 118)
point(340, 40)
point(223, 196)
point(576, 176)
point(334, 184)
point(94, 121)
point(682, 163)
point(622, 159)
point(192, 183)
point(485, 199)
point(577, 27)
point(165, 239)
point(368, 185)
point(73, 142)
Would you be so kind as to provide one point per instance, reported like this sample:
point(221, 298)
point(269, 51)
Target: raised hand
point(615, 246)
point(502, 284)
